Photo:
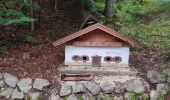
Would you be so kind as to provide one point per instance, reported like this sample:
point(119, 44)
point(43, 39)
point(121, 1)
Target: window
point(108, 59)
point(76, 58)
point(118, 59)
point(85, 58)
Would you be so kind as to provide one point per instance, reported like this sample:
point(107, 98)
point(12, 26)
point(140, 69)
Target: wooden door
point(96, 61)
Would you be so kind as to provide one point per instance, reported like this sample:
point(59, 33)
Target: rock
point(72, 97)
point(10, 80)
point(126, 96)
point(40, 83)
point(104, 97)
point(107, 87)
point(168, 79)
point(55, 97)
point(65, 90)
point(120, 97)
point(2, 83)
point(93, 87)
point(25, 84)
point(163, 88)
point(6, 92)
point(156, 77)
point(120, 88)
point(88, 96)
point(78, 87)
point(166, 71)
point(132, 96)
point(35, 96)
point(135, 85)
point(154, 95)
point(145, 96)
point(17, 94)
point(1, 75)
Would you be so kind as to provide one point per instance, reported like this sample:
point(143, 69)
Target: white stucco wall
point(100, 51)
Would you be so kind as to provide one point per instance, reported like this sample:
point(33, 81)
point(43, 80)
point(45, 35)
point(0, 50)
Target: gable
point(92, 28)
point(96, 35)
point(97, 38)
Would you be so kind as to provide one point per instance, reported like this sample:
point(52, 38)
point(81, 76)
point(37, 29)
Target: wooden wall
point(98, 38)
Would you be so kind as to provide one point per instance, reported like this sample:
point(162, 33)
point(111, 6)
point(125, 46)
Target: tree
point(108, 11)
point(32, 16)
point(14, 12)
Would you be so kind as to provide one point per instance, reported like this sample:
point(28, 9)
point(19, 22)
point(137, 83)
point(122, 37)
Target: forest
point(28, 28)
point(35, 22)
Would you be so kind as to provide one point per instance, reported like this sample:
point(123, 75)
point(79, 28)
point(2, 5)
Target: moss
point(145, 96)
point(27, 97)
point(2, 89)
point(80, 98)
point(161, 96)
point(135, 96)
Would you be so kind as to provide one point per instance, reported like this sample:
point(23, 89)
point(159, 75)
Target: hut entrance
point(96, 61)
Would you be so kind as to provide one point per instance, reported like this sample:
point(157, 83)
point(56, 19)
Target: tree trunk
point(108, 11)
point(55, 5)
point(32, 16)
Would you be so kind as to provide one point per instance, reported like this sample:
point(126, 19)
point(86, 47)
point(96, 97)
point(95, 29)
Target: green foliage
point(31, 39)
point(147, 21)
point(100, 5)
point(19, 3)
point(161, 96)
point(80, 98)
point(26, 4)
point(129, 10)
point(10, 16)
point(132, 96)
point(135, 49)
point(2, 46)
point(90, 4)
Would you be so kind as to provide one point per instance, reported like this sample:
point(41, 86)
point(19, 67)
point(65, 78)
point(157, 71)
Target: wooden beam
point(76, 77)
point(100, 44)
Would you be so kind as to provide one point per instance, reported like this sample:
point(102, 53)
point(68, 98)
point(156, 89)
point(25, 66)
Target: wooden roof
point(91, 28)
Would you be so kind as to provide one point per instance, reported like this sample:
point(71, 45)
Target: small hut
point(96, 45)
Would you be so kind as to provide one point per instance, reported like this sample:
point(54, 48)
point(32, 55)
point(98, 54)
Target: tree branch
point(4, 5)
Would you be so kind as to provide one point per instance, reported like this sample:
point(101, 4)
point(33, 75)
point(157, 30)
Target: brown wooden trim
point(76, 77)
point(76, 58)
point(96, 61)
point(101, 44)
point(117, 59)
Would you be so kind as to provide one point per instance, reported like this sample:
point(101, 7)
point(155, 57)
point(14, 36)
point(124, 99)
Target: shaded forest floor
point(24, 59)
point(37, 60)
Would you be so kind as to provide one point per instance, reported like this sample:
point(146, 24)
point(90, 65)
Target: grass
point(100, 4)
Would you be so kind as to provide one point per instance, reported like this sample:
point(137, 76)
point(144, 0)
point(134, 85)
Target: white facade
point(70, 51)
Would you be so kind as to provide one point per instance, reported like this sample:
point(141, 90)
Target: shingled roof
point(91, 28)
